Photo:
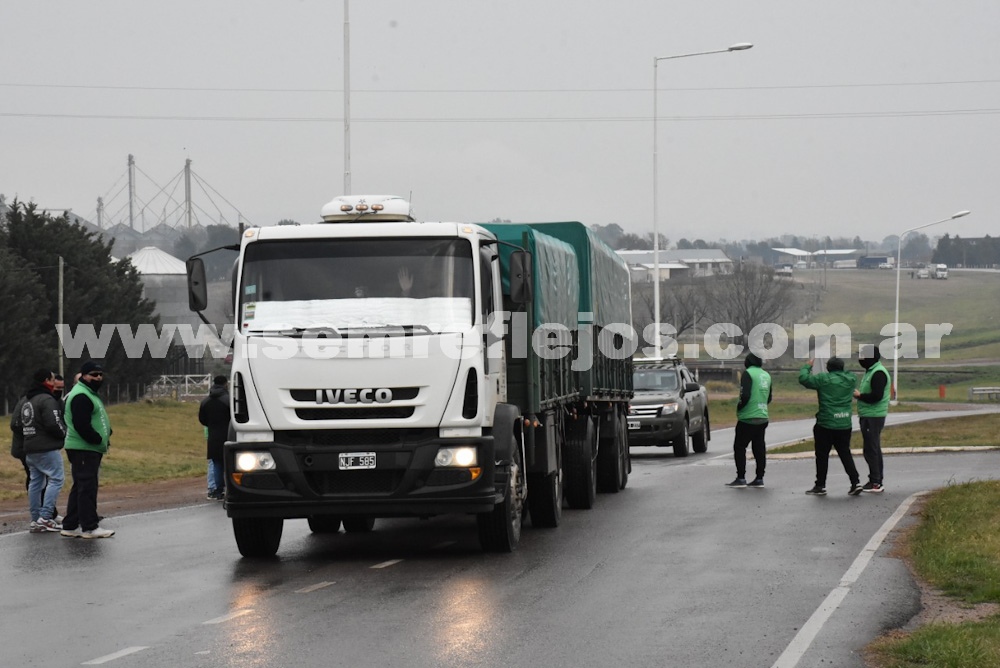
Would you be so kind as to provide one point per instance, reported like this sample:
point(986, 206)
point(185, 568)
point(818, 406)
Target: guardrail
point(988, 393)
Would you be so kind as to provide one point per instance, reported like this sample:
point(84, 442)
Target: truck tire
point(580, 465)
point(609, 459)
point(258, 537)
point(324, 524)
point(500, 529)
point(361, 524)
point(545, 496)
point(699, 441)
point(681, 443)
point(626, 455)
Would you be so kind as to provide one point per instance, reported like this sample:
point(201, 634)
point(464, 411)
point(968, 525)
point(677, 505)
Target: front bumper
point(660, 431)
point(307, 481)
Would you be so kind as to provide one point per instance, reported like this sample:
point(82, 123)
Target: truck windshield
point(419, 285)
point(655, 380)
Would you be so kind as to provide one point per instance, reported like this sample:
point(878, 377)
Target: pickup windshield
point(343, 287)
point(655, 380)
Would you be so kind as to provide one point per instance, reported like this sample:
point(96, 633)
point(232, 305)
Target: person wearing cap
point(87, 438)
point(39, 419)
point(835, 392)
point(751, 421)
point(214, 414)
point(873, 406)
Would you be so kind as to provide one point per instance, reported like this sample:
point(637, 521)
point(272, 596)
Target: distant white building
point(164, 281)
point(692, 262)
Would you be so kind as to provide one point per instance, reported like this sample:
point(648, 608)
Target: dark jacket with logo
point(41, 421)
point(214, 413)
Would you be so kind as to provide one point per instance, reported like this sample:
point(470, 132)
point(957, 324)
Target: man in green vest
point(87, 432)
point(751, 422)
point(873, 406)
point(834, 390)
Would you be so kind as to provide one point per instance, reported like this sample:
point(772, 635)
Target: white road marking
point(312, 588)
point(111, 657)
point(231, 615)
point(800, 643)
point(385, 564)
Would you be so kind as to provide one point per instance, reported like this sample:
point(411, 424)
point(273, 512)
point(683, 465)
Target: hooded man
point(873, 405)
point(751, 422)
point(214, 413)
point(834, 390)
point(87, 439)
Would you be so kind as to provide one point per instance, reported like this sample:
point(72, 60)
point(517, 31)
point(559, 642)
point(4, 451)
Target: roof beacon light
point(367, 208)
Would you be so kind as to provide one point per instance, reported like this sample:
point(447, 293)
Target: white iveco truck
point(377, 373)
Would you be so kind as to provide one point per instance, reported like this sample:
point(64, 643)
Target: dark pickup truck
point(669, 407)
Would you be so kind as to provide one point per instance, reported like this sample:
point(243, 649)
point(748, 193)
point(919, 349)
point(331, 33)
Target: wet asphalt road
point(676, 570)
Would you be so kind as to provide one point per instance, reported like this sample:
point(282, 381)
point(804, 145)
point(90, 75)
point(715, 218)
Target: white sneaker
point(71, 533)
point(98, 533)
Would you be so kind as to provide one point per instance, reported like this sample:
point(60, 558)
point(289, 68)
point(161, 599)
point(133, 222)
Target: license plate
point(357, 460)
point(633, 424)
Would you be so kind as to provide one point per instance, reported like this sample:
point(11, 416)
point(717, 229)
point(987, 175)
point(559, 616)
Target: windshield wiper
point(324, 332)
point(386, 330)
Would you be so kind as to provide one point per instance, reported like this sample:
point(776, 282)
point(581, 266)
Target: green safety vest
point(760, 390)
point(881, 407)
point(98, 420)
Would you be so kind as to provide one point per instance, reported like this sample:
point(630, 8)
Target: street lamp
point(742, 46)
point(899, 255)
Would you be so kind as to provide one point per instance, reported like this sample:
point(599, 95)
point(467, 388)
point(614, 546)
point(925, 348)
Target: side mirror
point(691, 387)
point(520, 277)
point(197, 286)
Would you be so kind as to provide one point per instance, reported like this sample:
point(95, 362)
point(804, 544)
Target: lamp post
point(899, 256)
point(742, 46)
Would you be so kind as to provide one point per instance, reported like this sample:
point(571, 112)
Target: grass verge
point(956, 548)
point(152, 441)
point(981, 430)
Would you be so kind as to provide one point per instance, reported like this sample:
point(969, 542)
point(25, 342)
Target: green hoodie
point(835, 390)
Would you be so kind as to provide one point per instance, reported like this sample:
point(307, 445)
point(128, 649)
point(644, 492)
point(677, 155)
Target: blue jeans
point(216, 476)
point(47, 479)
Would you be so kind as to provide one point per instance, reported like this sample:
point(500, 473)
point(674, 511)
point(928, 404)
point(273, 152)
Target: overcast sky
point(845, 118)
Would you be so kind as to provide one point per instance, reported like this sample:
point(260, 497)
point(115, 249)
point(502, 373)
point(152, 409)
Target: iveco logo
point(381, 395)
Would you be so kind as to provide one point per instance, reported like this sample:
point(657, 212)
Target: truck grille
point(358, 437)
point(374, 413)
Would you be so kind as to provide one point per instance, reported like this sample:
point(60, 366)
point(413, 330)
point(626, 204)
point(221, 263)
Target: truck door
point(489, 273)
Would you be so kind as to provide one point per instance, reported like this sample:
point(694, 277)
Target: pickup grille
point(644, 411)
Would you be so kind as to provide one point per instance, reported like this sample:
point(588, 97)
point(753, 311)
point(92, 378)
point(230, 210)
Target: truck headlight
point(254, 461)
point(669, 408)
point(460, 457)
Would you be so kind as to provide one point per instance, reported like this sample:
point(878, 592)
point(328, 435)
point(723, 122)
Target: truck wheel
point(500, 529)
point(545, 494)
point(681, 443)
point(626, 455)
point(699, 441)
point(258, 536)
point(324, 524)
point(581, 465)
point(362, 524)
point(609, 460)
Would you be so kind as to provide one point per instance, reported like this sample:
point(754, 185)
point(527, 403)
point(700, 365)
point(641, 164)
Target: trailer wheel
point(361, 524)
point(324, 524)
point(545, 495)
point(626, 455)
point(258, 537)
point(609, 459)
point(581, 465)
point(699, 441)
point(681, 444)
point(500, 529)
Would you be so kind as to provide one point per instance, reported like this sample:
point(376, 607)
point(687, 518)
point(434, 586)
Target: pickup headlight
point(669, 408)
point(460, 457)
point(254, 461)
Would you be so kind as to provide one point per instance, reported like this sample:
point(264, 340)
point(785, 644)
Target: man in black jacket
point(214, 413)
point(39, 418)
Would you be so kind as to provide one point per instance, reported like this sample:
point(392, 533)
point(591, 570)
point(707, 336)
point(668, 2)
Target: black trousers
point(752, 435)
point(871, 432)
point(81, 509)
point(827, 439)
